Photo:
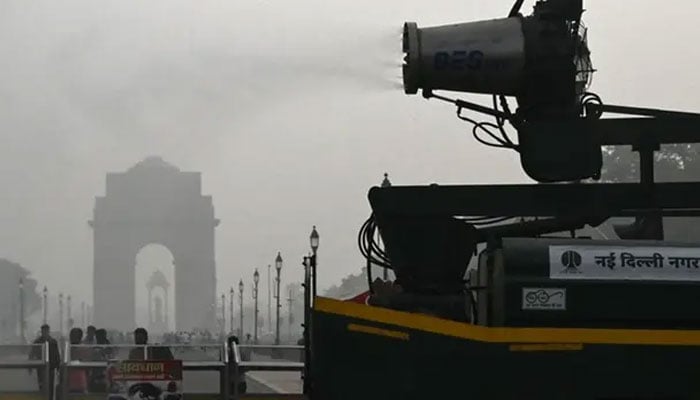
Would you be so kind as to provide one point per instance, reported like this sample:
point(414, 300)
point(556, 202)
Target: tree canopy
point(350, 286)
point(673, 163)
point(10, 275)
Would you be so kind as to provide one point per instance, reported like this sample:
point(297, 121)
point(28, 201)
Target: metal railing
point(99, 356)
point(201, 357)
point(29, 357)
point(243, 361)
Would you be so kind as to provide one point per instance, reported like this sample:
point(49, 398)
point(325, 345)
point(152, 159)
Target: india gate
point(154, 203)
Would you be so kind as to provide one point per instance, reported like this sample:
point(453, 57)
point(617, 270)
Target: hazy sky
point(292, 110)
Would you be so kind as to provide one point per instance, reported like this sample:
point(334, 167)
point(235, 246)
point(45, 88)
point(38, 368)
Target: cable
point(369, 248)
point(503, 142)
point(591, 99)
point(481, 221)
point(516, 8)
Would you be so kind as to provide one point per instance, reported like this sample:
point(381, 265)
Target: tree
point(10, 275)
point(351, 285)
point(673, 163)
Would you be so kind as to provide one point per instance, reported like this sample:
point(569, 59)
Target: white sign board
point(624, 263)
point(548, 299)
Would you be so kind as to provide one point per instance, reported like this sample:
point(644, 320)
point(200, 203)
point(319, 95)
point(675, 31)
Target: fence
point(253, 358)
point(33, 358)
point(211, 358)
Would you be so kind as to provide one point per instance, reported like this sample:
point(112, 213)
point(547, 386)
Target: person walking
point(46, 387)
point(77, 378)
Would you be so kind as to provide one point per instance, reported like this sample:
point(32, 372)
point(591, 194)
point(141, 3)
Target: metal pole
point(289, 301)
point(240, 302)
point(255, 319)
point(269, 299)
point(277, 328)
point(307, 321)
point(166, 308)
point(68, 307)
point(314, 260)
point(150, 308)
point(60, 315)
point(45, 305)
point(21, 311)
point(223, 314)
point(82, 310)
point(230, 310)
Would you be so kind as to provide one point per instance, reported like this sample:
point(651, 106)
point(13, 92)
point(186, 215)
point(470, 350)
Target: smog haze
point(290, 110)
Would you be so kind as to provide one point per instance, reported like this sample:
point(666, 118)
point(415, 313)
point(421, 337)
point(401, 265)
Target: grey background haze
point(292, 110)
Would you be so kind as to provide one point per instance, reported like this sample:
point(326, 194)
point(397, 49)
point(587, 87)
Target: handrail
point(229, 360)
point(25, 363)
point(221, 365)
point(43, 361)
point(272, 346)
point(268, 364)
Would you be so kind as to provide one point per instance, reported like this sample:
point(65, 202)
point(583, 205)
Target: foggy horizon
point(290, 111)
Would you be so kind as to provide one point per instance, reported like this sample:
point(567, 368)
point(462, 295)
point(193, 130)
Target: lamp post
point(278, 268)
point(291, 319)
point(45, 305)
point(307, 322)
point(223, 314)
point(240, 303)
point(256, 279)
point(60, 315)
point(82, 311)
point(21, 311)
point(68, 313)
point(269, 299)
point(230, 310)
point(313, 240)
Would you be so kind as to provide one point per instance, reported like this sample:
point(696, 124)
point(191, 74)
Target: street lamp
point(256, 279)
point(240, 302)
point(45, 304)
point(291, 319)
point(269, 298)
point(223, 314)
point(307, 323)
point(70, 318)
point(60, 315)
point(278, 268)
point(313, 239)
point(230, 310)
point(82, 310)
point(21, 311)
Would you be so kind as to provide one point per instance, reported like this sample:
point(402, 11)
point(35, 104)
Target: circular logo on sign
point(571, 260)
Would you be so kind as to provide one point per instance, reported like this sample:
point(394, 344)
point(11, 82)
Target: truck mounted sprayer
point(542, 313)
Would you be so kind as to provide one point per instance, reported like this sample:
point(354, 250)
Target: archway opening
point(155, 277)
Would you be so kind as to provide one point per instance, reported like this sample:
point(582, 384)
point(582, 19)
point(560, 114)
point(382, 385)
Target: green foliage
point(674, 163)
point(10, 274)
point(350, 286)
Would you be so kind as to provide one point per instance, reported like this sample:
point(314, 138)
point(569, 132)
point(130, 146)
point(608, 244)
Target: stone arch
point(155, 291)
point(154, 202)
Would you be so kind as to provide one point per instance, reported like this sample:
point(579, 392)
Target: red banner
point(150, 379)
point(151, 370)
